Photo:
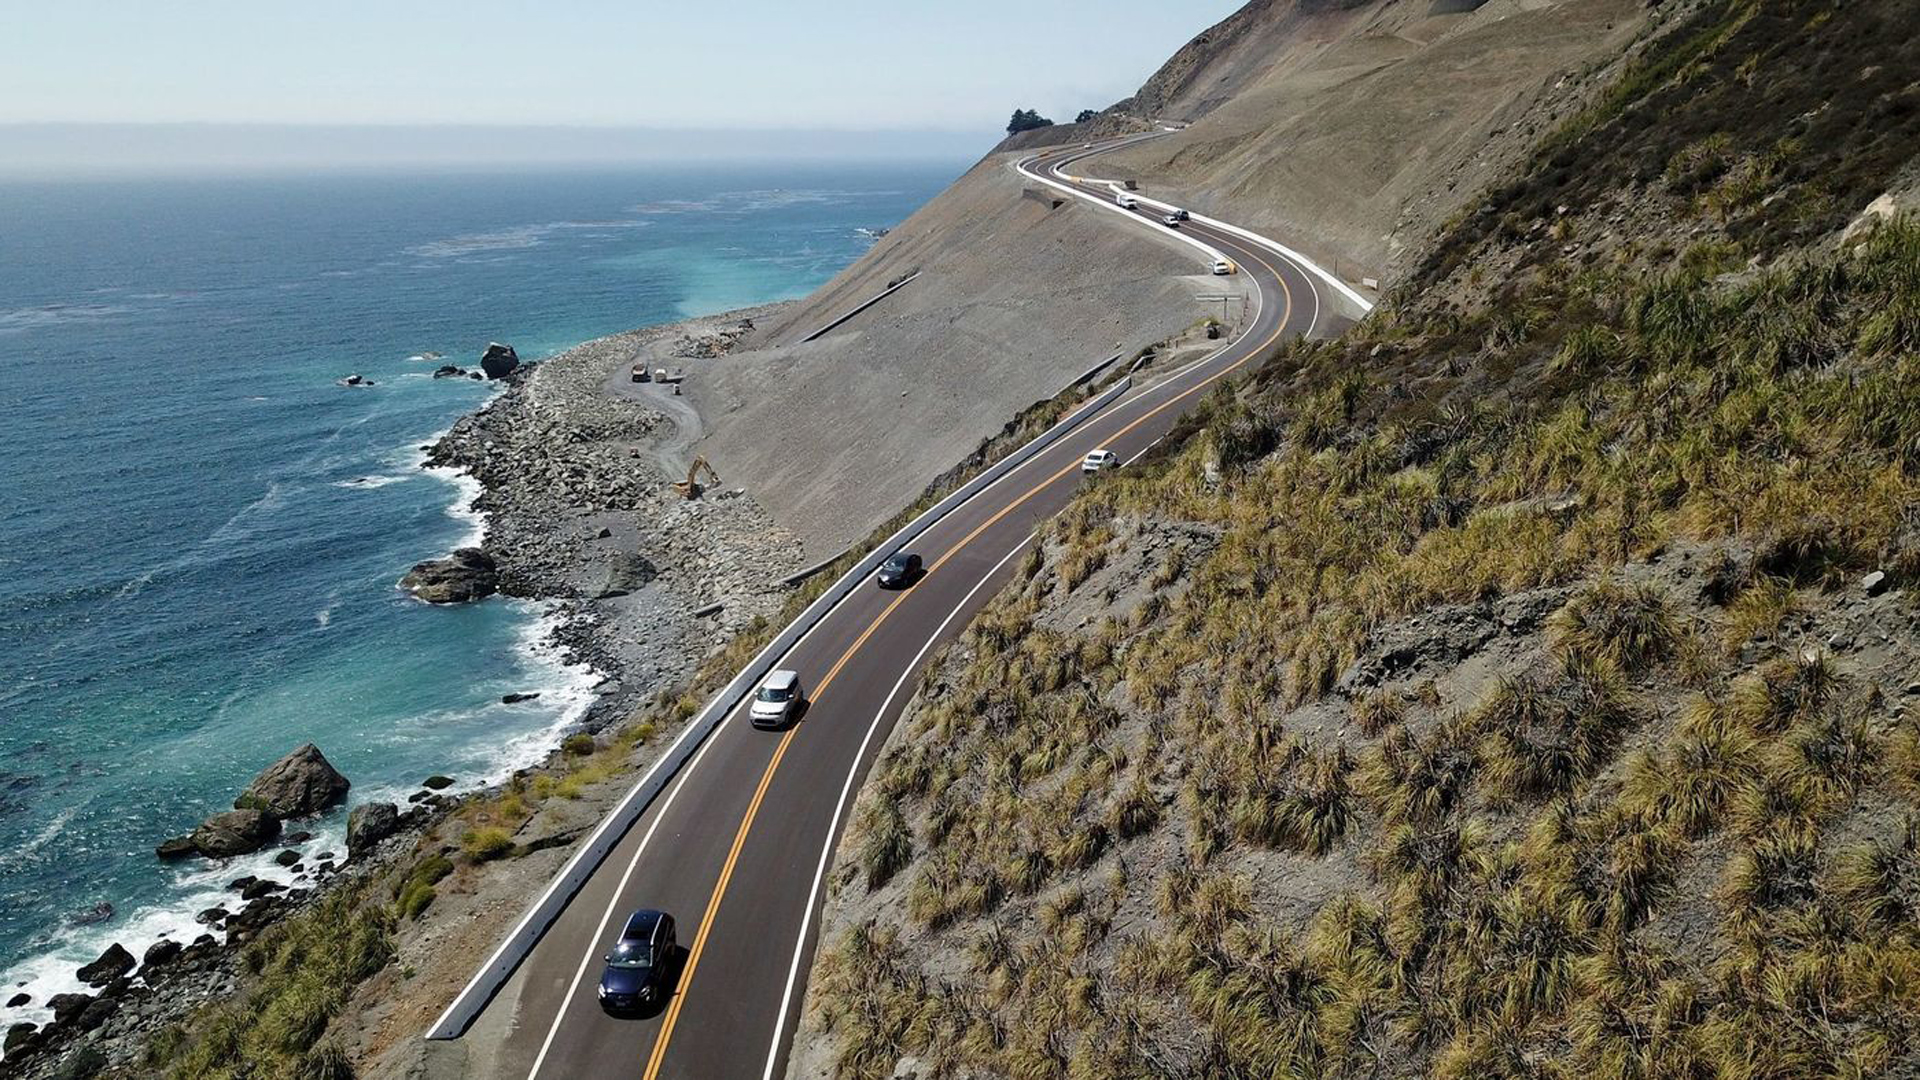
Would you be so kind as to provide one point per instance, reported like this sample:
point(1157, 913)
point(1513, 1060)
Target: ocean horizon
point(200, 541)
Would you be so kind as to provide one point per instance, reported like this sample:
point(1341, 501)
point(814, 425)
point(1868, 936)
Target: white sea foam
point(565, 688)
point(197, 886)
point(513, 239)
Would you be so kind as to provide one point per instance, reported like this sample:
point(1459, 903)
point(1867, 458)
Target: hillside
point(1523, 684)
point(1351, 130)
point(1354, 129)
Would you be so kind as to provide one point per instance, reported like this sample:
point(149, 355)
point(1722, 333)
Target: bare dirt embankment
point(1015, 297)
point(1355, 130)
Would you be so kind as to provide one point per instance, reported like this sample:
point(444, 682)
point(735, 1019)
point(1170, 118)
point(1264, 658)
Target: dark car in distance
point(900, 570)
point(635, 975)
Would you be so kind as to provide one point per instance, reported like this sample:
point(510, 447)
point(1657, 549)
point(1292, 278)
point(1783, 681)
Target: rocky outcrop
point(235, 832)
point(499, 361)
point(369, 824)
point(164, 951)
point(466, 575)
point(303, 782)
point(112, 964)
point(68, 1007)
point(19, 1037)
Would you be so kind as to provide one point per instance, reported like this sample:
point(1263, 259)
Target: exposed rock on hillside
point(303, 782)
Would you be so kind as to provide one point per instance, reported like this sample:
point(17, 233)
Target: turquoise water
point(200, 531)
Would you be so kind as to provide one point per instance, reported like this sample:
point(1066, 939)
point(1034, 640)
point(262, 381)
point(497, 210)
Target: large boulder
point(164, 951)
point(467, 574)
point(499, 361)
point(369, 824)
point(20, 1038)
point(112, 964)
point(626, 572)
point(303, 782)
point(68, 1006)
point(235, 832)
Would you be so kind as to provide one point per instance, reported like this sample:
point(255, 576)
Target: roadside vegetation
point(1530, 691)
point(304, 970)
point(1673, 839)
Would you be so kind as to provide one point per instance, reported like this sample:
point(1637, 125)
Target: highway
point(738, 845)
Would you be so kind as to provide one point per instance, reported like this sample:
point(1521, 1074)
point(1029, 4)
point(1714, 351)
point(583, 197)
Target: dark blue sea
point(200, 532)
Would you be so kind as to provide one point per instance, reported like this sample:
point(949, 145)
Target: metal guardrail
point(474, 998)
point(863, 305)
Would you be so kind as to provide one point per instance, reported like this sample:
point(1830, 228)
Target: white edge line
point(659, 814)
point(1168, 234)
point(846, 789)
point(586, 960)
point(693, 726)
point(1291, 255)
point(687, 732)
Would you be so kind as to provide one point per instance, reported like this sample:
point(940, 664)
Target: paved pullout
point(736, 846)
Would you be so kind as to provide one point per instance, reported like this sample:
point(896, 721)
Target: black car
point(635, 976)
point(899, 571)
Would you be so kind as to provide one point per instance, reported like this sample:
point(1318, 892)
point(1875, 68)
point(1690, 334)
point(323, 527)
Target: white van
point(778, 701)
point(1126, 201)
point(1223, 266)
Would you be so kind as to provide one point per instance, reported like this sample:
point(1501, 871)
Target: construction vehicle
point(641, 374)
point(690, 487)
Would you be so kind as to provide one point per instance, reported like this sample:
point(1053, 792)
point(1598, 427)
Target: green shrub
point(486, 844)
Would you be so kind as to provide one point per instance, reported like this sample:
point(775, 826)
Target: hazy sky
point(850, 64)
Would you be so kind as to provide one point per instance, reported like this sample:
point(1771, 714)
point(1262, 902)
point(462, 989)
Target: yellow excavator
point(690, 488)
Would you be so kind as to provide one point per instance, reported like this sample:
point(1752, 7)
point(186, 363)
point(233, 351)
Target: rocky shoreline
point(581, 513)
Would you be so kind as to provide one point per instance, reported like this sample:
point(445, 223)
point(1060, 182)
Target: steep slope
point(1015, 297)
point(1349, 129)
point(1520, 685)
point(1355, 129)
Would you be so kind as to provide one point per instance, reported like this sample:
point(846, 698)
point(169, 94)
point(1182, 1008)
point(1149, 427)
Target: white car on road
point(1224, 266)
point(1099, 459)
point(778, 700)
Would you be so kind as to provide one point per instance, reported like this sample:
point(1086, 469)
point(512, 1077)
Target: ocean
point(201, 531)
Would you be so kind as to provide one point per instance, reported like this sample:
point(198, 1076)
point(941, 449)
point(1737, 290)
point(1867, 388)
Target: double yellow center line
point(766, 779)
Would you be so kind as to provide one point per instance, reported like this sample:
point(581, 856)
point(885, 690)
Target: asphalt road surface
point(737, 847)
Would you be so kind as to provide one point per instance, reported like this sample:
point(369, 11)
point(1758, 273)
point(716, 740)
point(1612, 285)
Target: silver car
point(778, 701)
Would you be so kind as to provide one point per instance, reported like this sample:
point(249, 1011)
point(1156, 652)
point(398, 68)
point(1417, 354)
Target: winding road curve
point(738, 845)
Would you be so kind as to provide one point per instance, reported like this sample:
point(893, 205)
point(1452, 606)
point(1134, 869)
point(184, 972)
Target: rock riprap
point(466, 575)
point(303, 782)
